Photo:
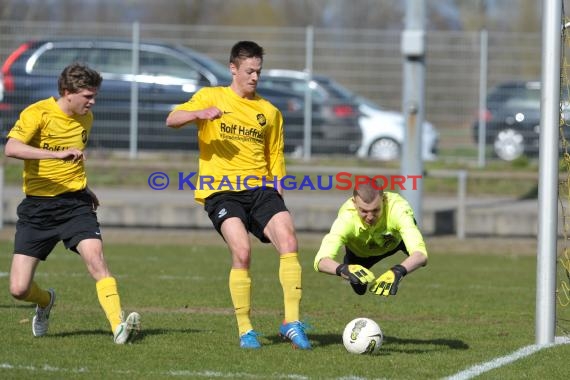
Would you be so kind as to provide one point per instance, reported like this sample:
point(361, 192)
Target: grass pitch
point(461, 310)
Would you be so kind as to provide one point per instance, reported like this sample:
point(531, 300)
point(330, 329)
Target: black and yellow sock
point(240, 291)
point(290, 278)
point(109, 299)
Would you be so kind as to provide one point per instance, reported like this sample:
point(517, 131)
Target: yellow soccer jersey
point(44, 125)
point(396, 224)
point(241, 150)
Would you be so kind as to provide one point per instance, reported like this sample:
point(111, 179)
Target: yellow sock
point(240, 291)
point(109, 299)
point(290, 278)
point(37, 295)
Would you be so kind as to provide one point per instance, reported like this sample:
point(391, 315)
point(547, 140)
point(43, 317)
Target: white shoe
point(127, 329)
point(40, 322)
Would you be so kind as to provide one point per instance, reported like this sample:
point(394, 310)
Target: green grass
point(461, 310)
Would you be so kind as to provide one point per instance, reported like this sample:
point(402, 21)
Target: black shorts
point(254, 208)
point(44, 221)
point(368, 262)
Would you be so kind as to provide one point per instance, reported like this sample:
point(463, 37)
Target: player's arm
point(200, 107)
point(387, 284)
point(95, 201)
point(179, 118)
point(416, 260)
point(17, 149)
point(274, 151)
point(332, 242)
point(327, 265)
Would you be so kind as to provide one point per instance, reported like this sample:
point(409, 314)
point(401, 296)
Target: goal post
point(548, 173)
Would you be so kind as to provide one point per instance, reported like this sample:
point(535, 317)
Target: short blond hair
point(368, 191)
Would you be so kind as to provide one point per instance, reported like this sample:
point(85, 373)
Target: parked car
point(382, 130)
point(512, 119)
point(335, 120)
point(168, 75)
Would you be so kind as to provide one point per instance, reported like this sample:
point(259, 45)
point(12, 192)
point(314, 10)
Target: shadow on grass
point(335, 339)
point(66, 334)
point(449, 343)
point(139, 336)
point(18, 306)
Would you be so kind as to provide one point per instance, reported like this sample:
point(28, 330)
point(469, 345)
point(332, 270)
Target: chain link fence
point(368, 62)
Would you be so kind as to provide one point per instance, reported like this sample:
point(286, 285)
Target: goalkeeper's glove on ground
point(387, 284)
point(356, 274)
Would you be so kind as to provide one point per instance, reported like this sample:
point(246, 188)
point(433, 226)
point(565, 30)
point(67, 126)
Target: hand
point(211, 113)
point(356, 274)
point(94, 198)
point(387, 283)
point(71, 154)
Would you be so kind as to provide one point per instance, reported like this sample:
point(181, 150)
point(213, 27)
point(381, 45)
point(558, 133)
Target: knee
point(289, 244)
point(241, 258)
point(18, 292)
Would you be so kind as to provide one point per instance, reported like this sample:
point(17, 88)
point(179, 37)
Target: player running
point(50, 137)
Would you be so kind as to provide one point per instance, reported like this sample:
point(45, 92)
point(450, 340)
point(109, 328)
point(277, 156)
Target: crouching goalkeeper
point(371, 226)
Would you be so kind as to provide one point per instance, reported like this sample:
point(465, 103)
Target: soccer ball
point(362, 336)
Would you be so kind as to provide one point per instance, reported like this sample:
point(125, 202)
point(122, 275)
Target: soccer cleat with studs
point(249, 340)
point(295, 332)
point(128, 329)
point(40, 322)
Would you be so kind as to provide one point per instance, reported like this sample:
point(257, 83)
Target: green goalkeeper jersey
point(395, 224)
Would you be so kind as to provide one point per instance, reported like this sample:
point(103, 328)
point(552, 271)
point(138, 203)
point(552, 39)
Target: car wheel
point(509, 144)
point(384, 149)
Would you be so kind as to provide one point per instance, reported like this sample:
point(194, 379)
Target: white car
point(382, 130)
point(383, 134)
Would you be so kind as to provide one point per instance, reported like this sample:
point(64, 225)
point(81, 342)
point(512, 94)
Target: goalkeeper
point(372, 225)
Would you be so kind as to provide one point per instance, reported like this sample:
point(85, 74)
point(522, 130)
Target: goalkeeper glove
point(387, 283)
point(356, 274)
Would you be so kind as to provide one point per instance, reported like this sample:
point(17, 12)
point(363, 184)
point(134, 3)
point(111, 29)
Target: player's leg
point(237, 239)
point(280, 231)
point(82, 235)
point(123, 329)
point(23, 287)
point(227, 211)
point(32, 244)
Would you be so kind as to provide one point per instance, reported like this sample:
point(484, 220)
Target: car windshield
point(217, 68)
point(515, 96)
point(367, 102)
point(336, 90)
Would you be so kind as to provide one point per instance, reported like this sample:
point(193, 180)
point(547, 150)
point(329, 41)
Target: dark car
point(168, 75)
point(512, 119)
point(339, 114)
point(382, 130)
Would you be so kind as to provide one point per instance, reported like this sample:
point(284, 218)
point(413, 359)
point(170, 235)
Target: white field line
point(193, 374)
point(479, 369)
